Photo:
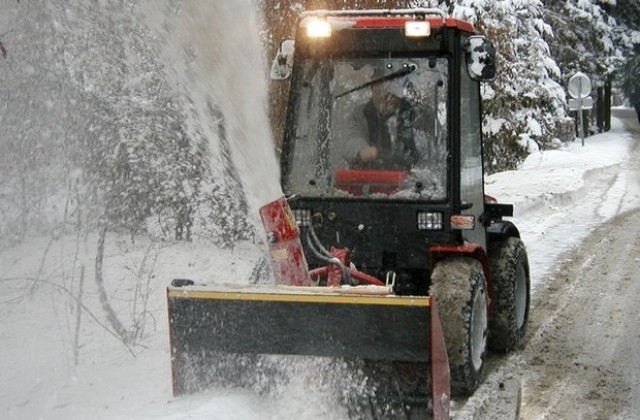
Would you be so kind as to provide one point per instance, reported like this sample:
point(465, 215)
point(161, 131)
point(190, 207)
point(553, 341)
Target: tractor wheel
point(459, 287)
point(511, 294)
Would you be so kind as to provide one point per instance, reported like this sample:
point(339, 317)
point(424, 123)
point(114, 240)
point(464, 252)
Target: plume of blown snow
point(213, 50)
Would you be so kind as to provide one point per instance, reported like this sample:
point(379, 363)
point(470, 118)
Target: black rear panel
point(381, 235)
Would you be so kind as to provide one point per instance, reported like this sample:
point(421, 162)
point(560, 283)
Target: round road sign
point(579, 86)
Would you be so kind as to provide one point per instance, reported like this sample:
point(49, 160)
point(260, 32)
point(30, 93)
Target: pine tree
point(525, 105)
point(585, 38)
point(627, 35)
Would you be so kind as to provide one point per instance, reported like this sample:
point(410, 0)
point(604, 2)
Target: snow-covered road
point(581, 359)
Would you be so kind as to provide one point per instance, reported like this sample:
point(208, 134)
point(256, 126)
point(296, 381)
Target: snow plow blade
point(351, 323)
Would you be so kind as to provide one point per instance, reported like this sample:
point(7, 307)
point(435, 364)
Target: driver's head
point(387, 96)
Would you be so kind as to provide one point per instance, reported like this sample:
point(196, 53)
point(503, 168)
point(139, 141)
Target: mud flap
point(440, 375)
point(333, 322)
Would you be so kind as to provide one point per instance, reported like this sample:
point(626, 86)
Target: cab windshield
point(370, 127)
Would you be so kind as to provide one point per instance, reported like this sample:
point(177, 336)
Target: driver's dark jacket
point(404, 151)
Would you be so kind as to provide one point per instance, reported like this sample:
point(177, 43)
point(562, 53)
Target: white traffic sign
point(580, 103)
point(579, 86)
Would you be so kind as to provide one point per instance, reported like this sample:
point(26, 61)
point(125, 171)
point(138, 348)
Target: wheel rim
point(478, 339)
point(521, 296)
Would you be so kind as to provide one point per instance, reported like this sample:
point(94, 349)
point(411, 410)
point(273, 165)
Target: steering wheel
point(392, 161)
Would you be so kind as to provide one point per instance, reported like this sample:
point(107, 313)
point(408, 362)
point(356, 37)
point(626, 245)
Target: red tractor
point(386, 215)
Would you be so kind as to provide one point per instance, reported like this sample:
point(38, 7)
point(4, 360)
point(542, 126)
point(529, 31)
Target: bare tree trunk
point(112, 317)
point(43, 261)
point(76, 336)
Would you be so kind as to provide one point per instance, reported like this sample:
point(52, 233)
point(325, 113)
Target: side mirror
point(283, 61)
point(481, 58)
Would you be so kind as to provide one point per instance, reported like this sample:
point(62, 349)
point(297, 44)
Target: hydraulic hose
point(320, 252)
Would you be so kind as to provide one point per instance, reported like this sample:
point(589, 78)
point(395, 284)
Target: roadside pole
point(579, 89)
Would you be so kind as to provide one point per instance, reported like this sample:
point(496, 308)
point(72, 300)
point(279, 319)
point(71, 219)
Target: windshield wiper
point(410, 68)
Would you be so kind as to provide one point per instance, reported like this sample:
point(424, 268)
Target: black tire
point(459, 287)
point(511, 294)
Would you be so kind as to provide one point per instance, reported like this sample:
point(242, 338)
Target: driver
point(380, 131)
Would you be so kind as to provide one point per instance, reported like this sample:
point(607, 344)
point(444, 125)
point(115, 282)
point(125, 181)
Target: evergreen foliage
point(525, 105)
point(627, 14)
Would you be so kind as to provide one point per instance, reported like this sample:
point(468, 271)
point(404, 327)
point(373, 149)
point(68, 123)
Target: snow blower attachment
point(298, 317)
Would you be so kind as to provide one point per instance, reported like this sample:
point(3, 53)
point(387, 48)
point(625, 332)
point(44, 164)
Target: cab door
point(471, 171)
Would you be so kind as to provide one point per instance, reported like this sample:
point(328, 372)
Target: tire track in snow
point(573, 216)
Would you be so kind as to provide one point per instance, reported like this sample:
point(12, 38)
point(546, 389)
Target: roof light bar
point(418, 11)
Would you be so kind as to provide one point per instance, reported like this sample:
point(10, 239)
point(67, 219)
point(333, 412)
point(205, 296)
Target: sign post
point(579, 89)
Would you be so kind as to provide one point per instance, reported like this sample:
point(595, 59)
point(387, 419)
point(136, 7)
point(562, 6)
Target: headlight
point(429, 220)
point(318, 28)
point(302, 216)
point(417, 29)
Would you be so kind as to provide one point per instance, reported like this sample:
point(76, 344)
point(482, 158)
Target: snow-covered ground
point(61, 363)
point(559, 196)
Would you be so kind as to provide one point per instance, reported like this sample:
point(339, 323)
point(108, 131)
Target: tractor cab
point(382, 149)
